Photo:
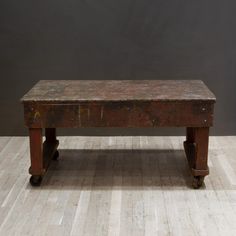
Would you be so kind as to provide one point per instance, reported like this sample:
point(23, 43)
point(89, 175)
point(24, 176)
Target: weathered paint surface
point(64, 91)
point(125, 104)
point(119, 114)
point(54, 104)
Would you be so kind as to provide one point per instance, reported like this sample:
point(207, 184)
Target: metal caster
point(197, 182)
point(56, 155)
point(35, 180)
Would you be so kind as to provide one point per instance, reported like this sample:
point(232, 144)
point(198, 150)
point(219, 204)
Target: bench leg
point(196, 148)
point(36, 156)
point(41, 153)
point(51, 139)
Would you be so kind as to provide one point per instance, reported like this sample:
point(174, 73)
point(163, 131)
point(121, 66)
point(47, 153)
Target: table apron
point(120, 114)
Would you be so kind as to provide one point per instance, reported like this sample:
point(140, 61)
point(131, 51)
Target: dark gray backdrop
point(117, 39)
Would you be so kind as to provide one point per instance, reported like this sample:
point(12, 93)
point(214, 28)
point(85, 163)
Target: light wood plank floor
point(118, 186)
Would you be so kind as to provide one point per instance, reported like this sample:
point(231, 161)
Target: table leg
point(190, 135)
point(50, 134)
point(201, 152)
point(51, 139)
point(196, 148)
point(36, 155)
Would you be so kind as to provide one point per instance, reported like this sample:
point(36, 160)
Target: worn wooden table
point(118, 103)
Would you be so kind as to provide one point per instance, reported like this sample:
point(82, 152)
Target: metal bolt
point(205, 121)
point(203, 109)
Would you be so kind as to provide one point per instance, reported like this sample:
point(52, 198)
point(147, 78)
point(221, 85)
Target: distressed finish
point(120, 103)
point(74, 91)
point(119, 114)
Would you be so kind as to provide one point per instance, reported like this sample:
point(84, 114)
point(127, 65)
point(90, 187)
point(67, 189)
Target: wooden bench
point(52, 104)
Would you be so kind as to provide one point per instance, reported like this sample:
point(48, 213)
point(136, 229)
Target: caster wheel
point(56, 155)
point(35, 180)
point(197, 181)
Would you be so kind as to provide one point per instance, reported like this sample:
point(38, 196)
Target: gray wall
point(117, 39)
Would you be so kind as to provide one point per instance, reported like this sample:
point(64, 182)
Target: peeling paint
point(36, 115)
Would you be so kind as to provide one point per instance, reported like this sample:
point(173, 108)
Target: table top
point(118, 90)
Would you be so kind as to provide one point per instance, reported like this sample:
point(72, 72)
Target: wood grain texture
point(118, 186)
